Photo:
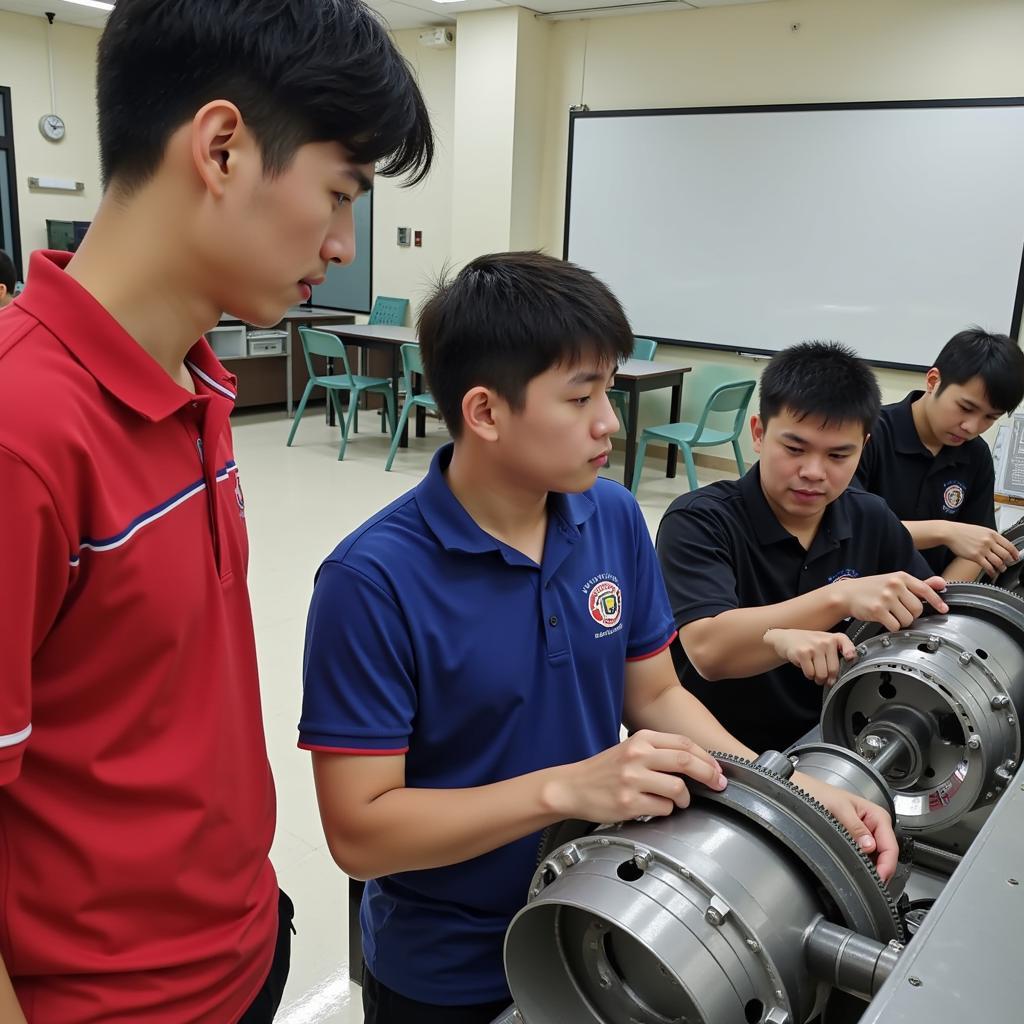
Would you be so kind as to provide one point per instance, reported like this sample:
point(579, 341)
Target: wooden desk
point(255, 387)
point(391, 339)
point(636, 376)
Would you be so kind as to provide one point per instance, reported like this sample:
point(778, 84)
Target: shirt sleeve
point(979, 507)
point(359, 693)
point(651, 628)
point(35, 559)
point(697, 562)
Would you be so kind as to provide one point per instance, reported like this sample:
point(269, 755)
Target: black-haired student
point(762, 572)
point(136, 800)
point(927, 457)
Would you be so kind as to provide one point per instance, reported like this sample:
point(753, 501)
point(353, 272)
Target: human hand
point(869, 824)
point(989, 549)
point(640, 776)
point(815, 653)
point(894, 600)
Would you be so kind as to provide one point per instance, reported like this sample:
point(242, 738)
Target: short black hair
point(507, 318)
point(8, 275)
point(995, 358)
point(820, 378)
point(302, 71)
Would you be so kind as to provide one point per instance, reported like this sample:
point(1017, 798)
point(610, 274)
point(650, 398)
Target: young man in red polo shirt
point(136, 802)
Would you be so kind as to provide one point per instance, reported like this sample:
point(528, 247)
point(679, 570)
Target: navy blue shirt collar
point(834, 527)
point(456, 529)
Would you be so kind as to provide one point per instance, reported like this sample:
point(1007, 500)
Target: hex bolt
point(862, 649)
point(932, 643)
point(886, 642)
point(974, 742)
point(965, 658)
point(570, 856)
point(1000, 700)
point(753, 945)
point(642, 858)
point(717, 912)
point(916, 982)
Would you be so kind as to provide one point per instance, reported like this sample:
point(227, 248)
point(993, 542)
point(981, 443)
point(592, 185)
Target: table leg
point(676, 410)
point(421, 412)
point(288, 372)
point(396, 379)
point(328, 370)
point(632, 420)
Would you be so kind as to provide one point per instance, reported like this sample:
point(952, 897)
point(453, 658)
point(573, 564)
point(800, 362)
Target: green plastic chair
point(412, 362)
point(643, 348)
point(388, 311)
point(726, 398)
point(320, 343)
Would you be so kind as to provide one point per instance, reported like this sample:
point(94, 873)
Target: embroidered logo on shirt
point(953, 496)
point(605, 604)
point(239, 497)
point(844, 574)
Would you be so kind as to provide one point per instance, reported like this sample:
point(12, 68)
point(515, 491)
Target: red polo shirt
point(137, 806)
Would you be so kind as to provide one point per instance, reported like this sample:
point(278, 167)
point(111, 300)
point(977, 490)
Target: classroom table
point(391, 339)
point(294, 318)
point(635, 376)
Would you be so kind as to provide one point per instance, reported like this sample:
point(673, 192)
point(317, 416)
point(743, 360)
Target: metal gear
point(811, 832)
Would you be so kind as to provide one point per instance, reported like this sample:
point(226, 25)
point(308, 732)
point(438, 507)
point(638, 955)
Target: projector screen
point(886, 226)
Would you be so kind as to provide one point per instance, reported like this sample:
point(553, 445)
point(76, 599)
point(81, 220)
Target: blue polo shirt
point(956, 483)
point(429, 637)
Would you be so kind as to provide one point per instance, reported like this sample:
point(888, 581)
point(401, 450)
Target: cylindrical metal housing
point(937, 705)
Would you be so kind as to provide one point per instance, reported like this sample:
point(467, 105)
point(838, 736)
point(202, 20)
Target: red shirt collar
point(117, 361)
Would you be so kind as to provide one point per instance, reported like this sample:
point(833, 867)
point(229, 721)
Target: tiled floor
point(300, 502)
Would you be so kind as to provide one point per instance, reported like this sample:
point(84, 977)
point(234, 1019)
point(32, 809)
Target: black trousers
point(383, 1006)
point(264, 1006)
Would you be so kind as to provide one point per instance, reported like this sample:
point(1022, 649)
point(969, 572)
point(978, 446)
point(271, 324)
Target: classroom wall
point(409, 272)
point(24, 68)
point(842, 51)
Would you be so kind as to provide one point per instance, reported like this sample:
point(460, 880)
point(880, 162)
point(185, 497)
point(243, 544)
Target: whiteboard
point(350, 287)
point(886, 226)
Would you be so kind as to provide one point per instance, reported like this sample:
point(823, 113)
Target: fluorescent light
point(449, 1)
point(98, 4)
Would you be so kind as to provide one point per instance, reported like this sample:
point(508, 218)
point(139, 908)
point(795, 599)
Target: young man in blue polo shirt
point(927, 457)
point(760, 571)
point(474, 648)
point(136, 801)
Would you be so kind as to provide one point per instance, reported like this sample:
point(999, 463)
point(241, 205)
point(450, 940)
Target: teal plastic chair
point(320, 343)
point(388, 311)
point(412, 362)
point(731, 398)
point(643, 348)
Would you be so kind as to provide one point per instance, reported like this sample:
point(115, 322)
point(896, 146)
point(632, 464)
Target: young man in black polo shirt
point(760, 570)
point(928, 460)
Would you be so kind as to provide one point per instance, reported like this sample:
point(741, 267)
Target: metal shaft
point(849, 961)
point(890, 752)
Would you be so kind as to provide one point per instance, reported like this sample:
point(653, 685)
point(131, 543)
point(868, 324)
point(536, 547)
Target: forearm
point(731, 646)
point(10, 1010)
point(961, 570)
point(677, 710)
point(409, 829)
point(928, 533)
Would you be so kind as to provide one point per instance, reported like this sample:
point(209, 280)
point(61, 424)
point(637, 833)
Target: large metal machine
point(755, 905)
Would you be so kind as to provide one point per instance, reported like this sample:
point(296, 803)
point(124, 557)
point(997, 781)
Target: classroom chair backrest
point(322, 343)
point(387, 310)
point(733, 397)
point(644, 348)
point(412, 362)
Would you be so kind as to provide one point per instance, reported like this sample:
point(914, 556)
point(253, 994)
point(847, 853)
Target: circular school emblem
point(953, 496)
point(606, 604)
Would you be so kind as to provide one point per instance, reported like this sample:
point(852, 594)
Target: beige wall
point(24, 68)
point(427, 207)
point(842, 51)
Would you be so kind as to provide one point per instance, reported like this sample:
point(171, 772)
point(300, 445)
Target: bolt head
point(974, 742)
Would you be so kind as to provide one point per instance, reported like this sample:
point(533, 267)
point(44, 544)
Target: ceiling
point(401, 14)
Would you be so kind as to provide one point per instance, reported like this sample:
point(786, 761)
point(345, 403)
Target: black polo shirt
point(955, 483)
point(721, 547)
